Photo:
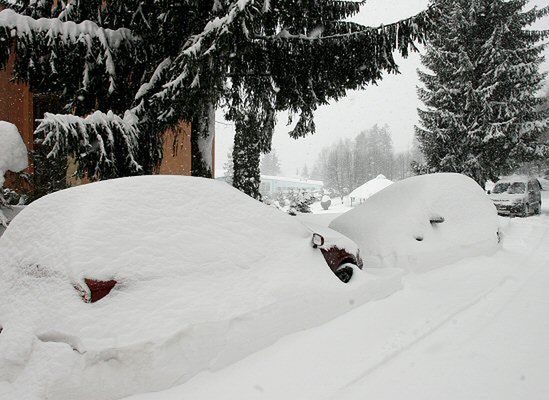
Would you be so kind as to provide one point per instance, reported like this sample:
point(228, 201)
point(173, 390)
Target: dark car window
point(517, 188)
point(501, 188)
point(534, 186)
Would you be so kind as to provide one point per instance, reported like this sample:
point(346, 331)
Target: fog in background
point(393, 102)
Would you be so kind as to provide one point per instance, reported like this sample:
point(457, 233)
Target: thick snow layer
point(9, 214)
point(392, 228)
point(370, 188)
point(206, 276)
point(337, 207)
point(13, 152)
point(477, 329)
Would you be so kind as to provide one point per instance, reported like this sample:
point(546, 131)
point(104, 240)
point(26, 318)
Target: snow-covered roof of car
point(148, 226)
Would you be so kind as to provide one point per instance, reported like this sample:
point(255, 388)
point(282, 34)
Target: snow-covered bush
point(326, 202)
point(13, 157)
point(292, 201)
point(299, 201)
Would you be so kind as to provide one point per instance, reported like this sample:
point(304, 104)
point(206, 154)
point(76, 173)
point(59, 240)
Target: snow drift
point(205, 276)
point(423, 222)
point(13, 152)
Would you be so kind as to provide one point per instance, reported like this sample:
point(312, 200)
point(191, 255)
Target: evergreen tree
point(299, 201)
point(135, 68)
point(481, 116)
point(539, 167)
point(270, 164)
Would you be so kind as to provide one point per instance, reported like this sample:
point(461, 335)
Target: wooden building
point(23, 108)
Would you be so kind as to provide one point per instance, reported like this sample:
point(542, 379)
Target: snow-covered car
point(517, 195)
point(423, 222)
point(135, 284)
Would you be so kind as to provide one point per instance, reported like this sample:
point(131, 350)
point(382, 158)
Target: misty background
point(392, 103)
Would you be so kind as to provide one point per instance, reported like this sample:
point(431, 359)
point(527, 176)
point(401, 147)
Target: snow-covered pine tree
point(299, 201)
point(481, 114)
point(126, 70)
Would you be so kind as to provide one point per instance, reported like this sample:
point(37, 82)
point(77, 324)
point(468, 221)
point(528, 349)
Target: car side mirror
point(318, 240)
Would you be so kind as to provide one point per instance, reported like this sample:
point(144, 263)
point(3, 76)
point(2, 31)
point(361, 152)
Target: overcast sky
point(392, 102)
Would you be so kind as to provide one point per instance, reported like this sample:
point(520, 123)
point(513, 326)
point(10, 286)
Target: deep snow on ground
point(338, 206)
point(206, 275)
point(476, 329)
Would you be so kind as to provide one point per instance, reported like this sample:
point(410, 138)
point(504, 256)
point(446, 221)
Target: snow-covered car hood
point(205, 276)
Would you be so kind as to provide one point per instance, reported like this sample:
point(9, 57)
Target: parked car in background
point(517, 195)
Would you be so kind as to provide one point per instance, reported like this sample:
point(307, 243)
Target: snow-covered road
point(477, 329)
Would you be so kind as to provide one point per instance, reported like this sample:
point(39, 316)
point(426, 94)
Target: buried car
point(517, 195)
point(423, 222)
point(136, 284)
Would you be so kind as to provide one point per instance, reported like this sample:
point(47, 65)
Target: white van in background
point(517, 195)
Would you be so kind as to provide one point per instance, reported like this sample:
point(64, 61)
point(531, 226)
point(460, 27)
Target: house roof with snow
point(370, 188)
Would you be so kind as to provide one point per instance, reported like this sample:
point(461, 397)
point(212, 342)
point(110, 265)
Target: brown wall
point(16, 106)
point(177, 161)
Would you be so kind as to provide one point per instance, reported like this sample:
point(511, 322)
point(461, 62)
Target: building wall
point(16, 106)
point(177, 161)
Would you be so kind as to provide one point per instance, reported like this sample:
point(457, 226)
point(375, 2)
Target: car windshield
point(511, 188)
point(517, 188)
point(501, 188)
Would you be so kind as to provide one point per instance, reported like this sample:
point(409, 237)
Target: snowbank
point(206, 276)
point(337, 207)
point(369, 188)
point(13, 152)
point(393, 228)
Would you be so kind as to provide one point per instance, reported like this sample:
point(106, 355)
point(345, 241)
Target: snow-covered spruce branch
point(66, 31)
point(53, 33)
point(194, 46)
point(414, 25)
point(96, 140)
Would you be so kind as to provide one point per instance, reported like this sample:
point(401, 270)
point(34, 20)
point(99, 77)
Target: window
point(501, 187)
point(517, 188)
